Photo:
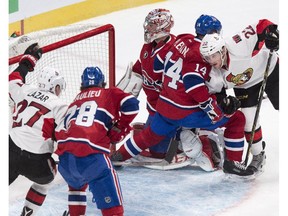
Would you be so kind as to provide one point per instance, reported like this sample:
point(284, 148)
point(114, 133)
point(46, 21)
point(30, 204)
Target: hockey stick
point(161, 162)
point(171, 152)
point(66, 213)
point(260, 98)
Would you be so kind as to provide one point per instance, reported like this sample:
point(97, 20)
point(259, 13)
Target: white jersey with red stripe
point(36, 113)
point(247, 59)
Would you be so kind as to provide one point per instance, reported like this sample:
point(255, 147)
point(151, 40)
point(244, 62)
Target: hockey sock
point(114, 211)
point(77, 201)
point(36, 196)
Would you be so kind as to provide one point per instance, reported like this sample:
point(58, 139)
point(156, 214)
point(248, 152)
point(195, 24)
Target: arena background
point(44, 14)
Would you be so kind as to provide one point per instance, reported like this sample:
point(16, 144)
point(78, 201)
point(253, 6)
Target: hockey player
point(157, 36)
point(239, 62)
point(96, 118)
point(31, 139)
point(185, 101)
point(207, 24)
point(157, 27)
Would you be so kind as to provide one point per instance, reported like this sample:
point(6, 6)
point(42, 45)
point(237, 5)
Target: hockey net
point(70, 49)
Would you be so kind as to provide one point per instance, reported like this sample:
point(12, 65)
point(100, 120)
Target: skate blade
point(234, 177)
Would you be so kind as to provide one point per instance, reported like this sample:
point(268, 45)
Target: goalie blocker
point(131, 82)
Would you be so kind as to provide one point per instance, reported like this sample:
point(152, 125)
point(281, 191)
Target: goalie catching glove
point(230, 105)
point(118, 132)
point(31, 55)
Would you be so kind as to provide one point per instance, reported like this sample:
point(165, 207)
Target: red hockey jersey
point(152, 80)
point(185, 73)
point(88, 119)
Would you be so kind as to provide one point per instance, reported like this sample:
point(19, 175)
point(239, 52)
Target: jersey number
point(174, 71)
point(248, 31)
point(83, 115)
point(41, 110)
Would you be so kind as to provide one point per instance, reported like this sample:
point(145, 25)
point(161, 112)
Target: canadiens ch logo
point(152, 83)
point(241, 78)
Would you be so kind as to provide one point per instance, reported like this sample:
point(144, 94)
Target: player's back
point(88, 119)
point(181, 60)
point(34, 118)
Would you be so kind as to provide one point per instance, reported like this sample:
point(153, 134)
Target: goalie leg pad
point(191, 144)
point(122, 84)
point(205, 162)
point(135, 84)
point(131, 82)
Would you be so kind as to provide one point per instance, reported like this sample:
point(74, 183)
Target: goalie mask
point(213, 48)
point(207, 24)
point(92, 76)
point(158, 23)
point(49, 78)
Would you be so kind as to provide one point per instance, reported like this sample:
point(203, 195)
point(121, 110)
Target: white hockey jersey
point(246, 65)
point(34, 116)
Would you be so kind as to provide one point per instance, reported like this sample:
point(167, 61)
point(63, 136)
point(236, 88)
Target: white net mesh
point(70, 59)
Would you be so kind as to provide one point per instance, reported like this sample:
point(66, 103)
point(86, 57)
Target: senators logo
point(241, 78)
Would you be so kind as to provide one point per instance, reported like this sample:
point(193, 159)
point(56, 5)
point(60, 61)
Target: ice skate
point(26, 211)
point(236, 168)
point(257, 163)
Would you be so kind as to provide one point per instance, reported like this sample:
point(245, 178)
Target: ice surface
point(188, 191)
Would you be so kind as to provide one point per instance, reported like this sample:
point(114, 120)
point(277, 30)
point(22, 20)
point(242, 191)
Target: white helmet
point(49, 78)
point(211, 43)
point(157, 24)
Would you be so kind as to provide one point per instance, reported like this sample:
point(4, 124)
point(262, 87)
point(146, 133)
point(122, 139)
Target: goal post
point(70, 49)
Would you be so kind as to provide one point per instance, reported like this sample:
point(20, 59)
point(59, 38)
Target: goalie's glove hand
point(230, 105)
point(272, 37)
point(118, 132)
point(212, 109)
point(31, 55)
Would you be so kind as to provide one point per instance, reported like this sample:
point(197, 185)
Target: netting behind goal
point(70, 49)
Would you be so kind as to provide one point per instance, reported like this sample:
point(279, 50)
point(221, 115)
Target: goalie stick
point(66, 213)
point(260, 98)
point(172, 150)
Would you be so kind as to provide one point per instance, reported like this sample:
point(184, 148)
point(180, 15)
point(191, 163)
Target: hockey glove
point(212, 109)
point(31, 55)
point(230, 105)
point(272, 37)
point(118, 132)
